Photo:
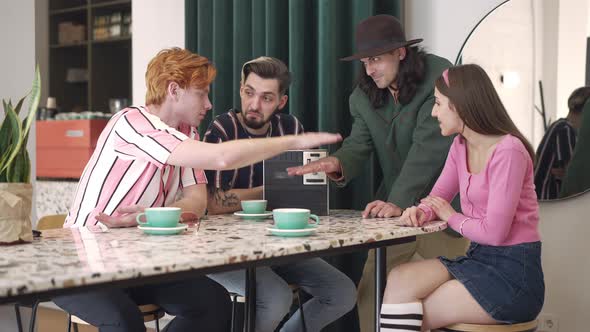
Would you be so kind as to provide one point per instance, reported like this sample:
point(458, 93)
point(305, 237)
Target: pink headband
point(445, 76)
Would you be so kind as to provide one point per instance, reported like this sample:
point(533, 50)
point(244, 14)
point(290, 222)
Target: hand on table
point(413, 216)
point(441, 207)
point(381, 209)
point(126, 219)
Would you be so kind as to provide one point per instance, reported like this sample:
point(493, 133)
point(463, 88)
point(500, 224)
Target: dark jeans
point(199, 305)
point(352, 265)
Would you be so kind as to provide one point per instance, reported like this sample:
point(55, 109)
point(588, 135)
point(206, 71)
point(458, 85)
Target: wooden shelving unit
point(106, 61)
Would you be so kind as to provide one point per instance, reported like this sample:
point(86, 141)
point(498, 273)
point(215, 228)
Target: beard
point(257, 123)
point(254, 123)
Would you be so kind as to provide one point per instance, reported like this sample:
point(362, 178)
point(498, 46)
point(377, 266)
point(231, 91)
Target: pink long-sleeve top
point(499, 204)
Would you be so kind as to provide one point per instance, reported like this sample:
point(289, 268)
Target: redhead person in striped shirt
point(490, 164)
point(146, 157)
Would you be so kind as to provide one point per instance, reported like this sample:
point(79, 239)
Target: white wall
point(17, 61)
point(548, 20)
point(571, 48)
point(444, 25)
point(156, 25)
point(565, 262)
point(17, 67)
point(502, 43)
point(42, 45)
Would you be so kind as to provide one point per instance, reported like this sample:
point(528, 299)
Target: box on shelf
point(116, 24)
point(70, 32)
point(64, 147)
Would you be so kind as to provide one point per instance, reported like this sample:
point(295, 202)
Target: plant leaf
point(23, 131)
point(16, 173)
point(4, 105)
point(15, 139)
point(5, 135)
point(5, 156)
point(34, 102)
point(27, 168)
point(19, 105)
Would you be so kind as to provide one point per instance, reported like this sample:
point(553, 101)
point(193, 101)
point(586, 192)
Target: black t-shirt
point(227, 127)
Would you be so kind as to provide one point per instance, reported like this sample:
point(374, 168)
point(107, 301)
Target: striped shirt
point(554, 151)
point(227, 127)
point(129, 167)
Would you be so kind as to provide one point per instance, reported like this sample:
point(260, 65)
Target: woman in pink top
point(490, 165)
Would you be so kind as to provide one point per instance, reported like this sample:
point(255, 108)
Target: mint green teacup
point(160, 217)
point(254, 206)
point(293, 218)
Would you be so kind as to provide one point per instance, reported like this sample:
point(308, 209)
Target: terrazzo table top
point(64, 258)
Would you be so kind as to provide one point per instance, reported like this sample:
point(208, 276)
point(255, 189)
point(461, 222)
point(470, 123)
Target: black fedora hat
point(377, 35)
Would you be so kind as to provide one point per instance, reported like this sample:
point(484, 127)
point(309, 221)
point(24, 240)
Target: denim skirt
point(507, 281)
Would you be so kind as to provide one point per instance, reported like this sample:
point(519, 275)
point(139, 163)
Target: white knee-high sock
point(401, 317)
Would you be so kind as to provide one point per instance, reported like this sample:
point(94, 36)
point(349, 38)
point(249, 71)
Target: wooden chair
point(521, 327)
point(47, 222)
point(150, 312)
point(51, 222)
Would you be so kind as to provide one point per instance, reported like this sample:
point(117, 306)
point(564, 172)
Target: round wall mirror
point(536, 53)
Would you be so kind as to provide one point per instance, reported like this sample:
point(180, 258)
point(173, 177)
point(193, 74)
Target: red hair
point(178, 65)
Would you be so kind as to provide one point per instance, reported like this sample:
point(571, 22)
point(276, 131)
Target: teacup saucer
point(253, 216)
point(292, 232)
point(163, 230)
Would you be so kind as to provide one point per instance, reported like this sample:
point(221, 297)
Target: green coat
point(577, 176)
point(406, 139)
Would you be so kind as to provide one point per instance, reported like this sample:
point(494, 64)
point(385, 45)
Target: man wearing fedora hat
point(391, 107)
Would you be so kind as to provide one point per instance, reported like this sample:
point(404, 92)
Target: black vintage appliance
point(309, 191)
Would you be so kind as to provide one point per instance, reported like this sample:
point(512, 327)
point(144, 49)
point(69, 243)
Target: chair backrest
point(565, 228)
point(521, 327)
point(51, 222)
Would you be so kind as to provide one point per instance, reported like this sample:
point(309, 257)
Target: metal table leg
point(250, 304)
point(380, 279)
point(19, 321)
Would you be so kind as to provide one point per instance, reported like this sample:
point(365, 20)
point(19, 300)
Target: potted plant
point(16, 191)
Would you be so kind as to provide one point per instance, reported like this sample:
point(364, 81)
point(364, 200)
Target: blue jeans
point(333, 294)
point(197, 302)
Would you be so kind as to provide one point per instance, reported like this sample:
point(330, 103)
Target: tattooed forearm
point(225, 198)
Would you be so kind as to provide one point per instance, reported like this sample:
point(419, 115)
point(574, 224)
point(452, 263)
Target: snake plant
point(15, 165)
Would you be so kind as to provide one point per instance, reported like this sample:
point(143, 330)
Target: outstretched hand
point(329, 165)
point(312, 140)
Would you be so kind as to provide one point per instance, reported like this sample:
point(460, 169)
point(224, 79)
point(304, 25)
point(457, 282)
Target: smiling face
point(449, 121)
point(260, 99)
point(383, 68)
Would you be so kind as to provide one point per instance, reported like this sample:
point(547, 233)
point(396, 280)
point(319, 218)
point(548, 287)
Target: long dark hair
point(473, 96)
point(412, 70)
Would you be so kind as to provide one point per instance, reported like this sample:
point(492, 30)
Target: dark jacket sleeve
point(577, 176)
point(424, 160)
point(356, 148)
